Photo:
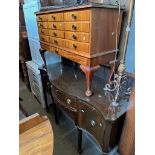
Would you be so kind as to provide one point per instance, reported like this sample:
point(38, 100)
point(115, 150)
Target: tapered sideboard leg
point(79, 140)
point(89, 71)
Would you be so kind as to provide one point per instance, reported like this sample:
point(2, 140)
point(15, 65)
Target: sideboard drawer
point(81, 15)
point(92, 121)
point(78, 36)
point(57, 41)
point(43, 25)
point(42, 18)
point(77, 46)
point(55, 17)
point(65, 100)
point(44, 38)
point(77, 26)
point(43, 31)
point(58, 34)
point(56, 25)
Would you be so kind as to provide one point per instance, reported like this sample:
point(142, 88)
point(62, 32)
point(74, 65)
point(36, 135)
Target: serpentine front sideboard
point(85, 34)
point(94, 114)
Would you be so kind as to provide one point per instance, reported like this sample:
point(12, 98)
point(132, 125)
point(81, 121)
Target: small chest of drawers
point(84, 34)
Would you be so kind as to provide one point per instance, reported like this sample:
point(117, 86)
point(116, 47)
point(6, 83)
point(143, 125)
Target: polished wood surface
point(91, 114)
point(89, 32)
point(36, 136)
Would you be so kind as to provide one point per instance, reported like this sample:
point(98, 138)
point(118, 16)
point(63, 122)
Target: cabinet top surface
point(69, 79)
point(51, 9)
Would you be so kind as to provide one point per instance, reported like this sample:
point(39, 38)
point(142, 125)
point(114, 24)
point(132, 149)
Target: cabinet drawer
point(55, 17)
point(58, 34)
point(65, 100)
point(54, 50)
point(77, 26)
point(81, 15)
point(44, 46)
point(56, 25)
point(42, 18)
point(92, 121)
point(43, 25)
point(43, 32)
point(57, 41)
point(44, 38)
point(77, 36)
point(77, 46)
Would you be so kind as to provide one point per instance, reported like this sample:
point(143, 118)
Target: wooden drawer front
point(82, 15)
point(58, 34)
point(57, 41)
point(92, 121)
point(42, 18)
point(44, 38)
point(77, 46)
point(43, 32)
point(43, 25)
point(73, 57)
point(77, 26)
point(65, 100)
point(44, 46)
point(56, 25)
point(54, 50)
point(77, 36)
point(55, 17)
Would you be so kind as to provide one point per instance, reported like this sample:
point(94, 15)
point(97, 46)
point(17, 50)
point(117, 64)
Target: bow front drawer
point(81, 15)
point(77, 26)
point(55, 17)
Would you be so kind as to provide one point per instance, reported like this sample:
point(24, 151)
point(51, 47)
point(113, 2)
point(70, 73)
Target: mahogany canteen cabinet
point(85, 34)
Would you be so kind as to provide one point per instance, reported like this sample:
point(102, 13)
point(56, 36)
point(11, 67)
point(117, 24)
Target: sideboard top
point(51, 9)
point(70, 80)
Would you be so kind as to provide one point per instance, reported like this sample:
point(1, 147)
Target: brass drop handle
point(73, 16)
point(74, 27)
point(54, 34)
point(55, 41)
point(74, 37)
point(54, 26)
point(53, 17)
point(42, 31)
point(74, 46)
point(40, 17)
point(43, 39)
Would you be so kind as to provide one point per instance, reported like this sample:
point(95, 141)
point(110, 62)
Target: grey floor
point(65, 134)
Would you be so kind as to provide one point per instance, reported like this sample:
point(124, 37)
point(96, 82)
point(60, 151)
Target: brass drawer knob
point(42, 31)
point(68, 101)
point(40, 18)
point(55, 41)
point(54, 34)
point(74, 37)
point(74, 46)
point(73, 16)
point(74, 27)
point(53, 17)
point(92, 122)
point(54, 26)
